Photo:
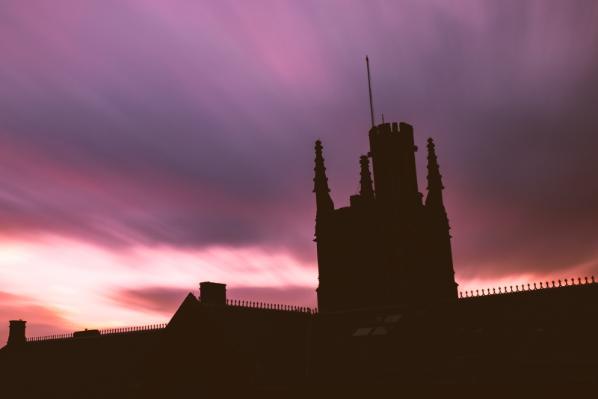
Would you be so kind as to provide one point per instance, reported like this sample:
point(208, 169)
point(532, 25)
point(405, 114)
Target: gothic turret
point(366, 190)
point(393, 160)
point(324, 203)
point(434, 198)
point(439, 239)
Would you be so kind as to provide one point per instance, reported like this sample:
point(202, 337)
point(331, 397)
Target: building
point(210, 345)
point(389, 246)
point(389, 317)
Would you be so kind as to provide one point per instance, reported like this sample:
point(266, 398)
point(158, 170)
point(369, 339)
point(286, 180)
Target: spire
point(435, 186)
point(366, 191)
point(323, 200)
point(439, 238)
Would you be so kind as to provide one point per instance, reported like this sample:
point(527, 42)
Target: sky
point(146, 146)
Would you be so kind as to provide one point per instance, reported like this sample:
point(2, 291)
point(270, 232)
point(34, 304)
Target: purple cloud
point(165, 300)
point(192, 124)
point(162, 300)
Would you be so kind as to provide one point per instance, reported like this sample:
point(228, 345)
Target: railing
point(123, 330)
point(50, 337)
point(270, 306)
point(528, 287)
point(107, 331)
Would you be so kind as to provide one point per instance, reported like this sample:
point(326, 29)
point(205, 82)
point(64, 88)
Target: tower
point(386, 248)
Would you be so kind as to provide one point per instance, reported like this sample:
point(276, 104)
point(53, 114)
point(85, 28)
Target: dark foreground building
point(389, 246)
point(389, 316)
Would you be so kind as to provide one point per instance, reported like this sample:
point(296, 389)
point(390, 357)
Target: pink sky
point(146, 146)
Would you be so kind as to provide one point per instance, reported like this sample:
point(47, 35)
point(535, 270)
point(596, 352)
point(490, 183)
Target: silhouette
point(212, 343)
point(390, 315)
point(388, 247)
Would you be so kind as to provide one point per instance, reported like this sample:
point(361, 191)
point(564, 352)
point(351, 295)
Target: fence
point(108, 331)
point(50, 337)
point(270, 306)
point(528, 287)
point(123, 330)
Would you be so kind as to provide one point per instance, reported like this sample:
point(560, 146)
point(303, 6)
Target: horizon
point(149, 146)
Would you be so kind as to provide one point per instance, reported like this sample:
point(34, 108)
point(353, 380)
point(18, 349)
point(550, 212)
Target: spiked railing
point(107, 331)
point(541, 286)
point(149, 327)
point(50, 337)
point(269, 306)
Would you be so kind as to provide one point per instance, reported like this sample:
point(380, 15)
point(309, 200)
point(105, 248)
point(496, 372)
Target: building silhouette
point(389, 246)
point(390, 316)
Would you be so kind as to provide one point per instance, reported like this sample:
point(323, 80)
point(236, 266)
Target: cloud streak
point(177, 127)
point(42, 320)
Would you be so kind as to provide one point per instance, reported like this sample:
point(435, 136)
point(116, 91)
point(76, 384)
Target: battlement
point(529, 287)
point(393, 129)
point(385, 129)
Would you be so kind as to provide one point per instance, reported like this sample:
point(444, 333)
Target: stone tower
point(387, 247)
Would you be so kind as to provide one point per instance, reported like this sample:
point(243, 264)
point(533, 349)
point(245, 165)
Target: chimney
point(212, 293)
point(16, 334)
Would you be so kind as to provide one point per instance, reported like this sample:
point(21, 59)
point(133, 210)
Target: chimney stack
point(16, 334)
point(212, 293)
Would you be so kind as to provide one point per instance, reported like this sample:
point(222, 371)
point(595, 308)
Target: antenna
point(367, 63)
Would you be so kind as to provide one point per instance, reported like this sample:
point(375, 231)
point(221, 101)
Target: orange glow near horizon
point(61, 284)
point(79, 283)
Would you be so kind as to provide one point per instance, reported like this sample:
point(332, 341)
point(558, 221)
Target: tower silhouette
point(386, 247)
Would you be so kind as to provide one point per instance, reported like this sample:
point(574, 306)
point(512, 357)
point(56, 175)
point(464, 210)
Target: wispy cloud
point(174, 128)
